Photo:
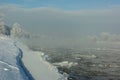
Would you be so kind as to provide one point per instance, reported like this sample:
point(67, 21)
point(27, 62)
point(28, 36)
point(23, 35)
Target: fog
point(53, 27)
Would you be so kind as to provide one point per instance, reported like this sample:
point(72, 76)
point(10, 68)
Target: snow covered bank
point(11, 66)
point(22, 66)
point(18, 62)
point(38, 67)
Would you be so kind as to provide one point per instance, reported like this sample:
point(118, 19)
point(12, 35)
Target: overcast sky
point(63, 18)
point(74, 16)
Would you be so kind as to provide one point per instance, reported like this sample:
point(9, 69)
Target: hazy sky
point(65, 22)
point(63, 18)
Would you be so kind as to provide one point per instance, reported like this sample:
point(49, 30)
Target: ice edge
point(22, 66)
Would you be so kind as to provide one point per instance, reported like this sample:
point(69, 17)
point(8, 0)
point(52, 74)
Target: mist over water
point(52, 27)
point(103, 40)
point(78, 43)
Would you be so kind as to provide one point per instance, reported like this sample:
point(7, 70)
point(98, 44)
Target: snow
point(13, 67)
point(38, 67)
point(18, 62)
point(66, 64)
point(9, 67)
point(5, 69)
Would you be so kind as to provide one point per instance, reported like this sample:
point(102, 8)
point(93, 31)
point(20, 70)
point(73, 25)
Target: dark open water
point(92, 64)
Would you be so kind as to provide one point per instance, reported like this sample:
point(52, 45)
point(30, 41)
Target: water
point(91, 64)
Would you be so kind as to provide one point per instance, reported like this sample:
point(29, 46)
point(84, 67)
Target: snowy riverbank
point(18, 62)
point(11, 66)
point(38, 67)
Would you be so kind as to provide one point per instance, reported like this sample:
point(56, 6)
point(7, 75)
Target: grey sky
point(57, 21)
point(57, 25)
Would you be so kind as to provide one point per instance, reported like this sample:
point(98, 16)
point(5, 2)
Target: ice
point(18, 62)
point(10, 69)
point(66, 64)
point(6, 69)
point(38, 67)
point(13, 67)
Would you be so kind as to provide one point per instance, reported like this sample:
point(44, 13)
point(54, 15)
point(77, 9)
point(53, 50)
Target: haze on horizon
point(65, 21)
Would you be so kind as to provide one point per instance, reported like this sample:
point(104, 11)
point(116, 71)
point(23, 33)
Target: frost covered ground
point(10, 63)
point(17, 62)
point(38, 67)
